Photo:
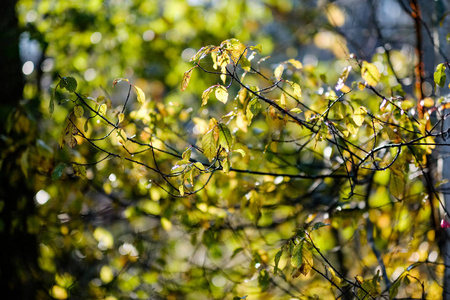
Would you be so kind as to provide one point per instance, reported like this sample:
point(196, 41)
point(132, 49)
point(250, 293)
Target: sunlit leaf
point(307, 261)
point(226, 165)
point(344, 75)
point(397, 182)
point(297, 256)
point(277, 261)
point(297, 89)
point(359, 115)
point(240, 151)
point(283, 100)
point(102, 109)
point(199, 166)
point(140, 94)
point(225, 138)
point(181, 190)
point(209, 145)
point(253, 109)
point(257, 47)
point(439, 75)
point(295, 63)
point(205, 95)
point(296, 110)
point(186, 78)
point(221, 94)
point(117, 80)
point(121, 116)
point(370, 73)
point(278, 71)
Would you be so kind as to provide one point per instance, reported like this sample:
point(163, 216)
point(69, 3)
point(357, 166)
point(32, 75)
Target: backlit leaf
point(370, 73)
point(295, 63)
point(225, 138)
point(253, 109)
point(102, 109)
point(307, 262)
point(278, 71)
point(209, 145)
point(79, 170)
point(140, 94)
point(78, 111)
point(277, 260)
point(439, 75)
point(226, 165)
point(181, 190)
point(257, 47)
point(186, 78)
point(221, 94)
point(344, 75)
point(359, 115)
point(240, 151)
point(397, 182)
point(297, 256)
point(205, 95)
point(296, 110)
point(121, 116)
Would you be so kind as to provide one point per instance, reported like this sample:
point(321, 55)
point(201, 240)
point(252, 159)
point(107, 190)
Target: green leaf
point(78, 111)
point(225, 138)
point(68, 83)
point(140, 95)
point(277, 260)
point(226, 165)
point(186, 78)
point(393, 290)
point(58, 171)
point(199, 166)
point(86, 125)
point(51, 106)
point(236, 252)
point(253, 109)
point(205, 95)
point(202, 52)
point(370, 73)
point(307, 261)
point(264, 280)
point(297, 255)
point(319, 225)
point(221, 94)
point(79, 170)
point(439, 75)
point(397, 182)
point(209, 145)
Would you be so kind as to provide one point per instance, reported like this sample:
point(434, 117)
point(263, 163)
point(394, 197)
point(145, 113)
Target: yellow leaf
point(102, 109)
point(205, 95)
point(359, 115)
point(296, 110)
point(121, 117)
point(370, 73)
point(78, 111)
point(186, 79)
point(140, 95)
point(361, 86)
point(295, 63)
point(181, 189)
point(283, 100)
point(278, 71)
point(427, 102)
point(221, 94)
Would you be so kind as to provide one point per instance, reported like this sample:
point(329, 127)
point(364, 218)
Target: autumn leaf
point(186, 78)
point(221, 94)
point(370, 73)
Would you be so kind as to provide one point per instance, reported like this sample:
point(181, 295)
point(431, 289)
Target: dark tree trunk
point(18, 247)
